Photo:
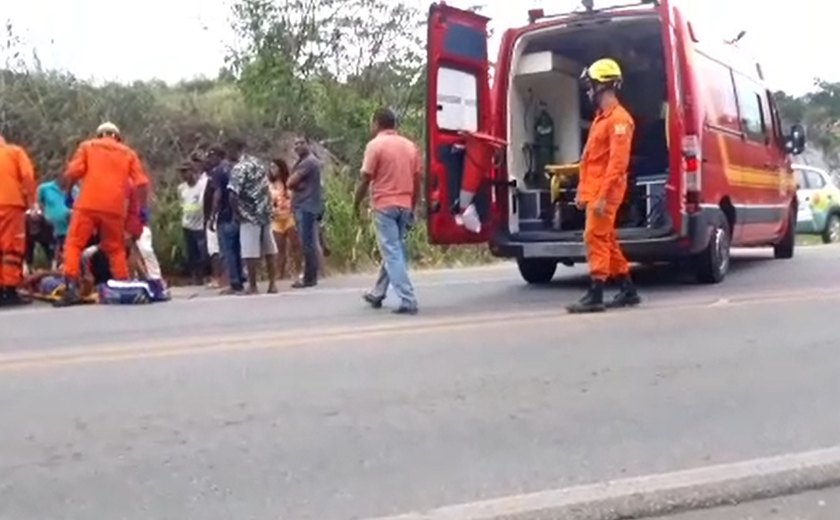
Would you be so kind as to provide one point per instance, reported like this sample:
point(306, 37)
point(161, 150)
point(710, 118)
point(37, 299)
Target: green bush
point(317, 68)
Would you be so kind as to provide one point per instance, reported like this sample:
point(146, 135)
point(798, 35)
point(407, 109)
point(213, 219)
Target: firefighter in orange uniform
point(602, 187)
point(106, 168)
point(17, 194)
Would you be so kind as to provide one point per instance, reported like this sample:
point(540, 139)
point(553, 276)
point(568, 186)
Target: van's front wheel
point(712, 264)
point(537, 271)
point(784, 250)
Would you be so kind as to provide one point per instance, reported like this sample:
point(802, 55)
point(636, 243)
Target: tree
point(321, 66)
point(819, 112)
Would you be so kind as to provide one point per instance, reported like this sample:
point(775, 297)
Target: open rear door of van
point(681, 118)
point(458, 103)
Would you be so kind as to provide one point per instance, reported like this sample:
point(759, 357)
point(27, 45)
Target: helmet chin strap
point(595, 91)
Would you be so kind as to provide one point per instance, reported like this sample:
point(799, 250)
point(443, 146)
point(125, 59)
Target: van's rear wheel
point(712, 264)
point(537, 271)
point(831, 235)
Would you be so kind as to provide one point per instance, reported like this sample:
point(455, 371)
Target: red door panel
point(458, 101)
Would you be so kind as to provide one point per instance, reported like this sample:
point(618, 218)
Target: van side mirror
point(795, 141)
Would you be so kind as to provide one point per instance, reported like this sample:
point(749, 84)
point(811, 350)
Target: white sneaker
point(469, 219)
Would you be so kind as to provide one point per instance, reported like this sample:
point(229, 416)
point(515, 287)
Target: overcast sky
point(175, 39)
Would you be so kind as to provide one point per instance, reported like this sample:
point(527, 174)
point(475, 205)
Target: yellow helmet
point(603, 71)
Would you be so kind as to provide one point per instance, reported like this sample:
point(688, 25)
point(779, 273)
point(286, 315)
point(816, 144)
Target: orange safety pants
point(111, 229)
point(602, 250)
point(12, 245)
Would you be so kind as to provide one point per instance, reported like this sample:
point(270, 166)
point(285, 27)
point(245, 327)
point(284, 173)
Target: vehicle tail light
point(692, 178)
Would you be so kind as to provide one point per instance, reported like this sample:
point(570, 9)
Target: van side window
point(815, 180)
point(751, 109)
point(457, 99)
point(720, 94)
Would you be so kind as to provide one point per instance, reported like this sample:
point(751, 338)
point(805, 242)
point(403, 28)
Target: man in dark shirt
point(308, 205)
point(214, 251)
point(223, 219)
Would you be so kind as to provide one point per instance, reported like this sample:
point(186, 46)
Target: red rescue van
point(711, 164)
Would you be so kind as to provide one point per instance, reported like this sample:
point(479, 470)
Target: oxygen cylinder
point(543, 142)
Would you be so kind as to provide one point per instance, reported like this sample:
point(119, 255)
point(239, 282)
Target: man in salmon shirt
point(17, 194)
point(603, 184)
point(391, 169)
point(107, 169)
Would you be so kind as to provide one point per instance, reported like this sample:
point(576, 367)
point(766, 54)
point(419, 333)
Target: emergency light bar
point(589, 5)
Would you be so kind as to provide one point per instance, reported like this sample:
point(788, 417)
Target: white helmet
point(107, 128)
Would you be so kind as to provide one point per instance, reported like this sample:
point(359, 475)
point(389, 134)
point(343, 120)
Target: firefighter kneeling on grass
point(603, 183)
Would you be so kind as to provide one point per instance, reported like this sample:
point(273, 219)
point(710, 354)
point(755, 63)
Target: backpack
point(115, 292)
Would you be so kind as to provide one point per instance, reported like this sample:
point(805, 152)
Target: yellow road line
point(303, 337)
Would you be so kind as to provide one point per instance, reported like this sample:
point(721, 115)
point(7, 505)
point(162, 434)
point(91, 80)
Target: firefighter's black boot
point(627, 295)
point(592, 301)
point(4, 296)
point(12, 298)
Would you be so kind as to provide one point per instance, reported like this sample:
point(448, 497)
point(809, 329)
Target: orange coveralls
point(106, 169)
point(17, 193)
point(603, 175)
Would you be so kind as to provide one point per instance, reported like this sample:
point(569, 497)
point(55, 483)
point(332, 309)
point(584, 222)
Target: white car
point(819, 203)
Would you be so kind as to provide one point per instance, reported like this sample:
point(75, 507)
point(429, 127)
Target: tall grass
point(354, 238)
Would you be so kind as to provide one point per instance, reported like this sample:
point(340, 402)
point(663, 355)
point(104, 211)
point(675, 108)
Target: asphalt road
point(815, 505)
point(308, 405)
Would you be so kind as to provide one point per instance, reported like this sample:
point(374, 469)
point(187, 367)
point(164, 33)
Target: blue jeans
point(231, 253)
point(307, 223)
point(392, 225)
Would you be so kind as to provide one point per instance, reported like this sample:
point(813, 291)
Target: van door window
point(457, 98)
point(801, 181)
point(751, 109)
point(776, 121)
